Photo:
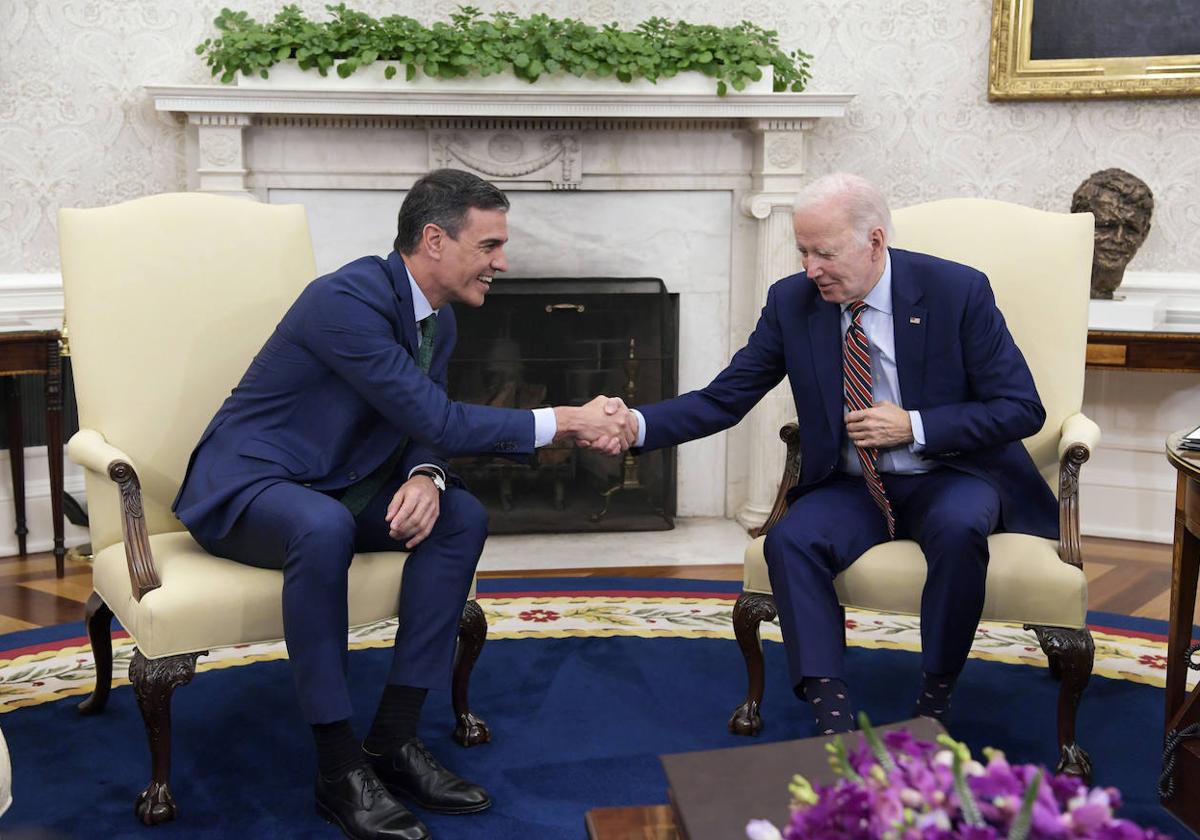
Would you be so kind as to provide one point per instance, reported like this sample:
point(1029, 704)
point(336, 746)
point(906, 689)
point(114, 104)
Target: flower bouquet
point(899, 788)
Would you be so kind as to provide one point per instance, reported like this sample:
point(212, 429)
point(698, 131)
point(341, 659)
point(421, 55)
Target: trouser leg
point(823, 532)
point(437, 580)
point(950, 515)
point(310, 536)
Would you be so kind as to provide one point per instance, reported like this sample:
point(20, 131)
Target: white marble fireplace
point(694, 188)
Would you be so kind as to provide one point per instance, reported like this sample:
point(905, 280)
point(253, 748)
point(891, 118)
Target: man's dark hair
point(443, 198)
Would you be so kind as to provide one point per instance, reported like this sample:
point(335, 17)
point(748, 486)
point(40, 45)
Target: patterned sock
point(337, 749)
point(829, 700)
point(397, 718)
point(934, 699)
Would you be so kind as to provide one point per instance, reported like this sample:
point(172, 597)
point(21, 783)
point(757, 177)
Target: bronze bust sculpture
point(1122, 205)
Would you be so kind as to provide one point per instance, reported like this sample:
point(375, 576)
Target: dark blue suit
point(330, 396)
point(958, 365)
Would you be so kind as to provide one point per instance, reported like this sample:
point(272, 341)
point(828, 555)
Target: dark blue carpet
point(577, 723)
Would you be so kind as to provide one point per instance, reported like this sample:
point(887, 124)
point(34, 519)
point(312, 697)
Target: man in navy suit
point(912, 401)
point(334, 442)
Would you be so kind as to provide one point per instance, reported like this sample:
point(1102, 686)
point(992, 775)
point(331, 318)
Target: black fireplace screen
point(554, 341)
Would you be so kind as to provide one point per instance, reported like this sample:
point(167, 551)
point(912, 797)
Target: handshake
point(605, 424)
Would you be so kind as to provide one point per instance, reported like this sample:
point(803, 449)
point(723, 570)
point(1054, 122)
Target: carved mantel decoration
point(754, 147)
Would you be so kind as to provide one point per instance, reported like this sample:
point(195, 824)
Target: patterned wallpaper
point(76, 130)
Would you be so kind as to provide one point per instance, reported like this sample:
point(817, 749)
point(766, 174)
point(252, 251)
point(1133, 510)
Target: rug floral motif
point(65, 669)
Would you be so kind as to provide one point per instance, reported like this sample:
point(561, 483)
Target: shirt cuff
point(545, 427)
point(918, 430)
point(433, 467)
point(641, 435)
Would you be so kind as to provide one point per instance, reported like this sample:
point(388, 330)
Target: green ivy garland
point(474, 44)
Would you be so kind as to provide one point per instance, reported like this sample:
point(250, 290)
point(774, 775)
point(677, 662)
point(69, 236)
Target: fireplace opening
point(561, 341)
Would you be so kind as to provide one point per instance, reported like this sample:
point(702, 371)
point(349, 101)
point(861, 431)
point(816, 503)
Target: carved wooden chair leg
point(1071, 653)
point(154, 681)
point(99, 624)
point(472, 633)
point(750, 610)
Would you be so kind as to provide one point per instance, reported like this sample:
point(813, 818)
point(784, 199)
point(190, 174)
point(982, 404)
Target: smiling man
point(912, 400)
point(334, 442)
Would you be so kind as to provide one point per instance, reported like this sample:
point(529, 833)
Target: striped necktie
point(856, 369)
point(357, 495)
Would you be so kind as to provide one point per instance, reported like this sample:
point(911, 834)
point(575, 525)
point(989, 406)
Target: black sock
point(934, 699)
point(337, 749)
point(396, 720)
point(829, 700)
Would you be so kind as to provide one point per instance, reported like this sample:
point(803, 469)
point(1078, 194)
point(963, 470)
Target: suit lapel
point(909, 320)
point(824, 331)
point(408, 317)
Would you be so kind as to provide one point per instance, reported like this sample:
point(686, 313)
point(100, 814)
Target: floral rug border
point(53, 673)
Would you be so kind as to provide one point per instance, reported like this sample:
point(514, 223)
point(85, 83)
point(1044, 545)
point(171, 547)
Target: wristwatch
point(432, 475)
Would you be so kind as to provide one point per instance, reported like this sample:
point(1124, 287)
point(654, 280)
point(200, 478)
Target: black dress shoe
point(364, 810)
point(412, 773)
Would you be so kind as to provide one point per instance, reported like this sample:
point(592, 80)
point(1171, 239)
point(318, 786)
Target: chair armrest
point(789, 434)
point(1080, 435)
point(1078, 430)
point(88, 448)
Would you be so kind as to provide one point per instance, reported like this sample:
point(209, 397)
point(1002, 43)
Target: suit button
point(308, 484)
point(353, 476)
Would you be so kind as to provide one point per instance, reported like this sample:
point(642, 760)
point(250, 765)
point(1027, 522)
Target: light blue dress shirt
point(877, 324)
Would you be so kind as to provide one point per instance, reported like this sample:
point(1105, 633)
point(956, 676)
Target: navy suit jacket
point(956, 361)
point(331, 394)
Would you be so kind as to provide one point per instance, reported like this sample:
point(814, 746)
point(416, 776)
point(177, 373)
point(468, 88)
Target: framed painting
point(1094, 49)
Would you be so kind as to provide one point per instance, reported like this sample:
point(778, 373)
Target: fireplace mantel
point(714, 176)
point(529, 104)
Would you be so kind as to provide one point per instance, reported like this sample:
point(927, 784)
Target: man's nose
point(500, 261)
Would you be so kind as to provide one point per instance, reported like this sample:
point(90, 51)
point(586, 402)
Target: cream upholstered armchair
point(1039, 265)
point(168, 298)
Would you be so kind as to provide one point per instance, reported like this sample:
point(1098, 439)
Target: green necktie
point(357, 495)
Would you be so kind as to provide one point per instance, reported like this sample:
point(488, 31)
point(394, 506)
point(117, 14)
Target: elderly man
point(334, 442)
point(912, 400)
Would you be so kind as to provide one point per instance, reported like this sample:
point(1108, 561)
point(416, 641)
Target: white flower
point(762, 830)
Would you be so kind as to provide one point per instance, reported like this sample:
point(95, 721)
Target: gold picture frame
point(1014, 74)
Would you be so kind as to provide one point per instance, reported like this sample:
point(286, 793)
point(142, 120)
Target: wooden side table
point(1183, 707)
point(1165, 350)
point(35, 352)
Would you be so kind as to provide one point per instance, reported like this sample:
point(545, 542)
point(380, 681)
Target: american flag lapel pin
point(915, 319)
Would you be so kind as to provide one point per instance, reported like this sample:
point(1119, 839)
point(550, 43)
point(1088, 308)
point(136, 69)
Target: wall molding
point(1180, 289)
point(31, 301)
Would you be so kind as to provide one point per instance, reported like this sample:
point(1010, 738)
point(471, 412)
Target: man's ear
point(878, 241)
point(433, 238)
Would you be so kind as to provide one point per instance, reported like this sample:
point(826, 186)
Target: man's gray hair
point(864, 204)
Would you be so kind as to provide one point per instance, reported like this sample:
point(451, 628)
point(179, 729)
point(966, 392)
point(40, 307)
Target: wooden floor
point(1131, 578)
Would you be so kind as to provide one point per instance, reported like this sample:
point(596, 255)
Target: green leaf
point(410, 72)
point(529, 46)
point(389, 72)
